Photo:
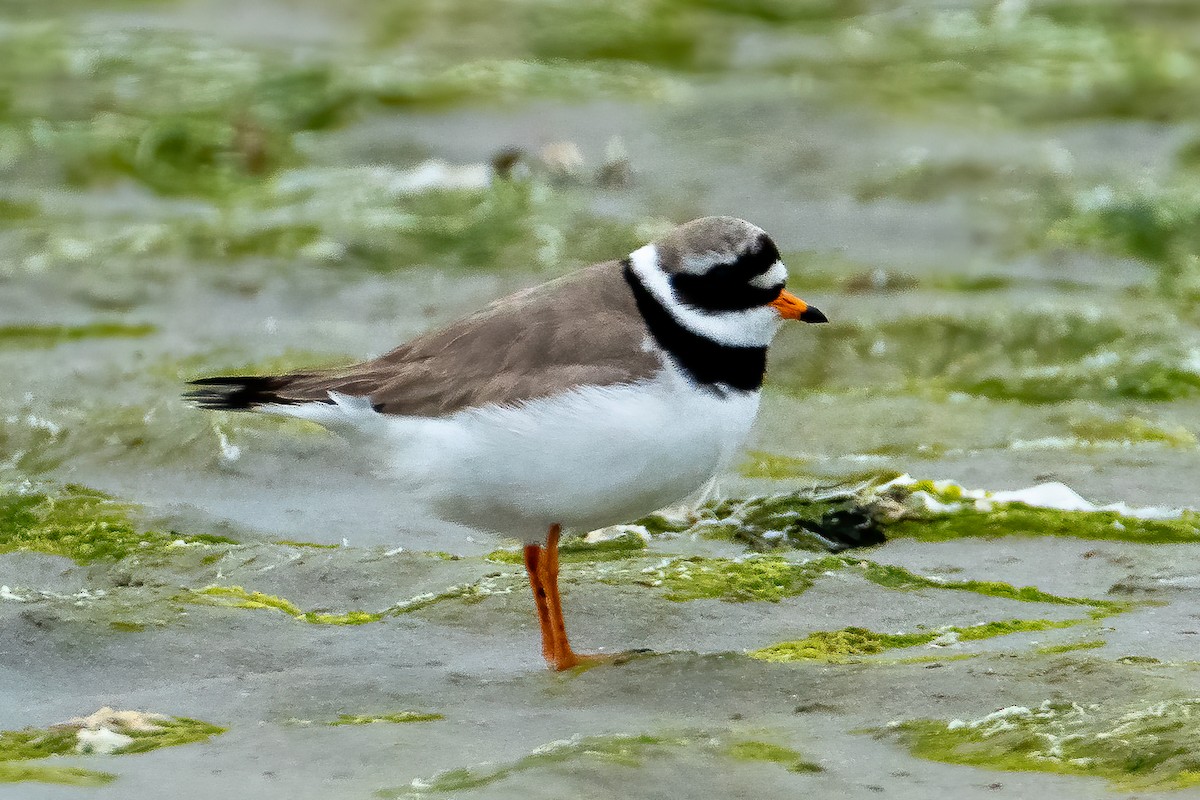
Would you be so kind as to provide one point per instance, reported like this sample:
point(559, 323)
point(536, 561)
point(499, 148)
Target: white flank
point(347, 414)
point(587, 458)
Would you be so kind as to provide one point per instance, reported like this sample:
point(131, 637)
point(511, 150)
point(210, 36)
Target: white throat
point(754, 327)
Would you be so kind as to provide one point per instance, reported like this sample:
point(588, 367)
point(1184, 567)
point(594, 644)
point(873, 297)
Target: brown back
point(580, 329)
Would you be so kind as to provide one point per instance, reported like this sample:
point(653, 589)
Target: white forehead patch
point(776, 275)
point(700, 263)
point(753, 327)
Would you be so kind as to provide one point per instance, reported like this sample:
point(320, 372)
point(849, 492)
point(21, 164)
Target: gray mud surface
point(984, 239)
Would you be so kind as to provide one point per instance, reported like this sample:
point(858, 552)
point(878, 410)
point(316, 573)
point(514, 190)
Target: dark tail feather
point(238, 393)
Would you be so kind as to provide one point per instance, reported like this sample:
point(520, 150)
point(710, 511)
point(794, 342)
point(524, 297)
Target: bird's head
point(721, 278)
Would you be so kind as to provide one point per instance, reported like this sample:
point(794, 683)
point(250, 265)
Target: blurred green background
point(997, 204)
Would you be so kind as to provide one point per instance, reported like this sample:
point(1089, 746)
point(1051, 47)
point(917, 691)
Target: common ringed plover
point(584, 402)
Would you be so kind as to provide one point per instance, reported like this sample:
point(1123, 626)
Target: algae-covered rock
point(237, 597)
point(616, 750)
point(852, 643)
point(821, 519)
point(77, 522)
point(1052, 355)
point(31, 336)
point(1140, 747)
point(398, 717)
point(26, 755)
point(754, 579)
point(931, 511)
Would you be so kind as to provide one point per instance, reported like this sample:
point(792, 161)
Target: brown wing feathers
point(584, 328)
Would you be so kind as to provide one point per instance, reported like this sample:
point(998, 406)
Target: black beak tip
point(813, 314)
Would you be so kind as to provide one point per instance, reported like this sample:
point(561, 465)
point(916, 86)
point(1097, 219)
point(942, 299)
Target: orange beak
point(791, 307)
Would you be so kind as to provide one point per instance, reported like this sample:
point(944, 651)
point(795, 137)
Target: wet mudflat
point(996, 205)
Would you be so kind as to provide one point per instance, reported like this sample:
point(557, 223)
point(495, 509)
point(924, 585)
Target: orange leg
point(533, 566)
point(542, 566)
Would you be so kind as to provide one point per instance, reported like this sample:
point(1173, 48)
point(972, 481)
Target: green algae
point(841, 645)
point(577, 550)
point(356, 218)
point(756, 579)
point(311, 545)
point(1150, 381)
point(81, 524)
point(171, 154)
point(19, 772)
point(851, 643)
point(19, 748)
point(30, 336)
point(1150, 746)
point(772, 754)
point(673, 37)
point(761, 464)
point(1048, 356)
point(1009, 62)
point(1159, 225)
point(926, 180)
point(124, 626)
point(170, 733)
point(469, 593)
point(986, 518)
point(183, 114)
point(658, 32)
point(762, 578)
point(930, 659)
point(399, 717)
point(506, 225)
point(1129, 429)
point(348, 618)
point(237, 597)
point(1016, 519)
point(1136, 660)
point(1070, 647)
point(828, 519)
point(625, 751)
point(617, 750)
point(33, 743)
point(892, 577)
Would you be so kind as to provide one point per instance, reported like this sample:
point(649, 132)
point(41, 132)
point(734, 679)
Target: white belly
point(585, 459)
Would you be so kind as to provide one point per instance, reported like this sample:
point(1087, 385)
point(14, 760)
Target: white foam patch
point(388, 181)
point(616, 532)
point(229, 452)
point(1053, 495)
point(930, 503)
point(101, 740)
